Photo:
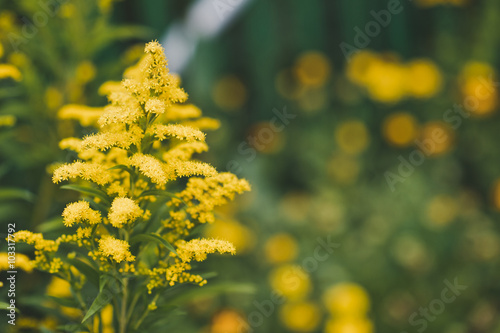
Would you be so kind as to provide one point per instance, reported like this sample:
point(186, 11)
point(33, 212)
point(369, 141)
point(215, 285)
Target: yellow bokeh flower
point(441, 211)
point(10, 71)
point(423, 78)
point(313, 69)
point(347, 300)
point(291, 281)
point(281, 248)
point(229, 93)
point(227, 321)
point(343, 168)
point(477, 84)
point(21, 261)
point(352, 137)
point(400, 129)
point(300, 316)
point(349, 325)
point(385, 81)
point(59, 288)
point(85, 115)
point(435, 138)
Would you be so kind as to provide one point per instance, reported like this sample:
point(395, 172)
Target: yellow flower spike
point(197, 249)
point(124, 211)
point(80, 212)
point(107, 140)
point(151, 168)
point(116, 249)
point(155, 105)
point(180, 132)
point(96, 173)
point(185, 151)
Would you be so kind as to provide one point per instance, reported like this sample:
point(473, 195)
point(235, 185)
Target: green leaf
point(88, 271)
point(103, 298)
point(50, 225)
point(154, 238)
point(68, 302)
point(16, 194)
point(4, 305)
point(121, 167)
point(111, 34)
point(89, 191)
point(160, 193)
point(72, 328)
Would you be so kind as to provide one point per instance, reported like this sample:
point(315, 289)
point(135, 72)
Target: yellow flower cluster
point(124, 211)
point(197, 249)
point(348, 304)
point(388, 80)
point(115, 248)
point(202, 195)
point(146, 140)
point(80, 212)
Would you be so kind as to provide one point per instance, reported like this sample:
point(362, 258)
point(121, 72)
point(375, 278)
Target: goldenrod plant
point(130, 239)
point(51, 55)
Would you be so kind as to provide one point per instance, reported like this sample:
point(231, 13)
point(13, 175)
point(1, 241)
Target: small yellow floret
point(117, 249)
point(80, 212)
point(124, 211)
point(180, 132)
point(197, 249)
point(150, 167)
point(94, 172)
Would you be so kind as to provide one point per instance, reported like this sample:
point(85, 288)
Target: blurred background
point(368, 130)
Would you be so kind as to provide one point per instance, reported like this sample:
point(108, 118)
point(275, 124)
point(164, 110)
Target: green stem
point(123, 314)
point(132, 305)
point(139, 322)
